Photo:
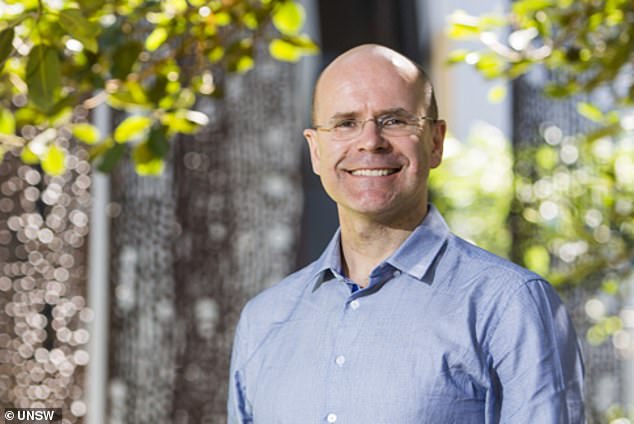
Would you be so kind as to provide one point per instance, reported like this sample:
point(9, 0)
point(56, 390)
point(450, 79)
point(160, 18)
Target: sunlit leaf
point(7, 122)
point(537, 259)
point(6, 47)
point(490, 65)
point(462, 31)
point(87, 133)
point(250, 20)
point(546, 157)
point(28, 157)
point(177, 122)
point(73, 21)
point(244, 64)
point(222, 18)
point(156, 38)
point(610, 286)
point(133, 127)
point(456, 56)
point(284, 51)
point(590, 111)
point(43, 76)
point(288, 18)
point(53, 162)
point(525, 7)
point(216, 54)
point(557, 90)
point(497, 94)
point(146, 161)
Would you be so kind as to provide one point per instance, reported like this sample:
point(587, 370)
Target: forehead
point(366, 85)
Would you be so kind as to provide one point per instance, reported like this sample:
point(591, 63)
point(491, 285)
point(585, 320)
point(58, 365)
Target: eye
point(345, 124)
point(393, 122)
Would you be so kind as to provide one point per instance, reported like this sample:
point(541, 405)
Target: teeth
point(373, 172)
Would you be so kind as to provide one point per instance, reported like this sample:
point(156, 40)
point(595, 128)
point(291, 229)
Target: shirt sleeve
point(535, 357)
point(238, 408)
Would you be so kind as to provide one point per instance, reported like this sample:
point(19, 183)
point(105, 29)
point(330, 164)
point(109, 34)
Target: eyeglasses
point(388, 125)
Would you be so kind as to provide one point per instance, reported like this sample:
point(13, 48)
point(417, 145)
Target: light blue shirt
point(445, 332)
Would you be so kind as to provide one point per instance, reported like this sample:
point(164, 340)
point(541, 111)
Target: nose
point(370, 138)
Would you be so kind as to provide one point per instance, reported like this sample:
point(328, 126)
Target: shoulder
point(467, 263)
point(489, 282)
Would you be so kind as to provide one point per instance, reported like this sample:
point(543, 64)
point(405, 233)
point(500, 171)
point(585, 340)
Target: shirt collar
point(413, 257)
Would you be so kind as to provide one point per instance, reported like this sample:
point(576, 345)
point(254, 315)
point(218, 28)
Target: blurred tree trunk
point(190, 247)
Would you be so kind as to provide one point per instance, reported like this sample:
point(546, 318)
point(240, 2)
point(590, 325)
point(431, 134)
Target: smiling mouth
point(374, 172)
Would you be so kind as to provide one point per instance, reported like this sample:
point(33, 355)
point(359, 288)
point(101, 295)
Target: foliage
point(573, 194)
point(473, 187)
point(589, 43)
point(152, 59)
point(576, 201)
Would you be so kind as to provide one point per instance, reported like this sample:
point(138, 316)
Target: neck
point(366, 242)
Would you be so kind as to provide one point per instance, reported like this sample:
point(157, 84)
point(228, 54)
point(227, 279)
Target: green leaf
point(490, 65)
point(6, 46)
point(89, 6)
point(497, 94)
point(87, 133)
point(158, 89)
point(250, 20)
point(527, 7)
point(288, 18)
point(156, 38)
point(7, 122)
point(111, 157)
point(558, 90)
point(457, 56)
point(124, 58)
point(28, 157)
point(43, 76)
point(73, 21)
point(216, 54)
point(177, 122)
point(537, 259)
point(53, 162)
point(546, 157)
point(222, 18)
point(590, 111)
point(133, 127)
point(304, 42)
point(243, 64)
point(157, 141)
point(284, 51)
point(145, 160)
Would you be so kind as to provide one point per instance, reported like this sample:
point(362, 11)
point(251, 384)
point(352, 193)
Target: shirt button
point(396, 273)
point(355, 304)
point(331, 418)
point(340, 360)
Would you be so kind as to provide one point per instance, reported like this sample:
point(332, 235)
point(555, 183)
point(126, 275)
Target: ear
point(311, 138)
point(438, 139)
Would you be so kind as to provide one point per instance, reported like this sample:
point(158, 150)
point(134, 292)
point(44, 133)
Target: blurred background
point(149, 197)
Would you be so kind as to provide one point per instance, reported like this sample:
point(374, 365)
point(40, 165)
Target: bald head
point(373, 59)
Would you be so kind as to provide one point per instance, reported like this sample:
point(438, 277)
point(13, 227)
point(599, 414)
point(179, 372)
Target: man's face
point(377, 176)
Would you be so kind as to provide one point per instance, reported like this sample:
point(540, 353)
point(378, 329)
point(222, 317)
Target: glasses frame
point(414, 121)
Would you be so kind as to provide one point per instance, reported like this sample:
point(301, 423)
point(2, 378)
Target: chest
point(375, 359)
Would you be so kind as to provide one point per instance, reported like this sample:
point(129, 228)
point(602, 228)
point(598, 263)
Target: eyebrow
point(398, 111)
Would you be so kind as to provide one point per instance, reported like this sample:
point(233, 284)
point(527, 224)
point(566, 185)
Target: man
point(399, 321)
